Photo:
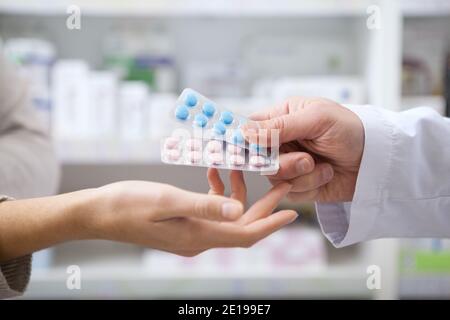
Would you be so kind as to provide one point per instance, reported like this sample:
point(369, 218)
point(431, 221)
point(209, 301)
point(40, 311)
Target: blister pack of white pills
point(206, 135)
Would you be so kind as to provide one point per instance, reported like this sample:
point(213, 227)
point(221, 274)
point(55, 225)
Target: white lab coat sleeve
point(403, 185)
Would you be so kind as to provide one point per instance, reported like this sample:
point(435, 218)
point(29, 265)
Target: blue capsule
point(200, 120)
point(227, 117)
point(208, 109)
point(219, 128)
point(237, 137)
point(181, 112)
point(190, 100)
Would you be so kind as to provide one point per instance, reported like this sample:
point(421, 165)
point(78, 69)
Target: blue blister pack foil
point(208, 135)
point(195, 111)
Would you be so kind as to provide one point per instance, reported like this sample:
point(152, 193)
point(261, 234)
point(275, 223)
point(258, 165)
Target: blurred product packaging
point(141, 56)
point(343, 89)
point(425, 268)
point(216, 79)
point(95, 106)
point(416, 77)
point(35, 58)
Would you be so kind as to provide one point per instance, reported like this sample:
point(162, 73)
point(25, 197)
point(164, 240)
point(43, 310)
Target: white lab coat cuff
point(348, 223)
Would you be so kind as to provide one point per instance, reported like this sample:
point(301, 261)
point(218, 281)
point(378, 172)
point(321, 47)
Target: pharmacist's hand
point(321, 145)
point(164, 217)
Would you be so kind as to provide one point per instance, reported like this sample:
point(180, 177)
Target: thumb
point(203, 206)
point(300, 125)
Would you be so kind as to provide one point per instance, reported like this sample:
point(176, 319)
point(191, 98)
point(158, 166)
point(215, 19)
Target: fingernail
point(231, 210)
point(327, 173)
point(294, 218)
point(303, 165)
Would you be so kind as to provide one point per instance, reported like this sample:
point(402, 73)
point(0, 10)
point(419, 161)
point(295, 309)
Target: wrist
point(81, 214)
point(33, 224)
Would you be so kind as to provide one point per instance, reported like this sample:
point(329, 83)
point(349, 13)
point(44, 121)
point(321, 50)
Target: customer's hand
point(150, 214)
point(321, 148)
point(167, 218)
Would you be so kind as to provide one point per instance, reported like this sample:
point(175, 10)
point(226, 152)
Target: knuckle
point(318, 103)
point(278, 123)
point(202, 208)
point(292, 103)
point(319, 179)
point(324, 175)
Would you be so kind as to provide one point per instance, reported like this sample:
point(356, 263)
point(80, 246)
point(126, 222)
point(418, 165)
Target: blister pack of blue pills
point(207, 135)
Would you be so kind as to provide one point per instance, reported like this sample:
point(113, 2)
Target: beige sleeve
point(14, 274)
point(28, 166)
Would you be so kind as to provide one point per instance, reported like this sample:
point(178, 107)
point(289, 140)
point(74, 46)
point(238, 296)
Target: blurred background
point(104, 91)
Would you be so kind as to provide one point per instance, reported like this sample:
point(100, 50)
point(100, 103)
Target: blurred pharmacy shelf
point(425, 8)
point(194, 8)
point(108, 272)
point(230, 8)
point(109, 152)
point(424, 263)
point(435, 102)
point(134, 282)
point(425, 268)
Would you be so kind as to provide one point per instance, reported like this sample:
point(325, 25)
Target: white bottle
point(71, 116)
point(133, 110)
point(103, 99)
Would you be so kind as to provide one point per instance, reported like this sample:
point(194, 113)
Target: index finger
point(264, 206)
point(270, 112)
point(293, 165)
point(216, 185)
